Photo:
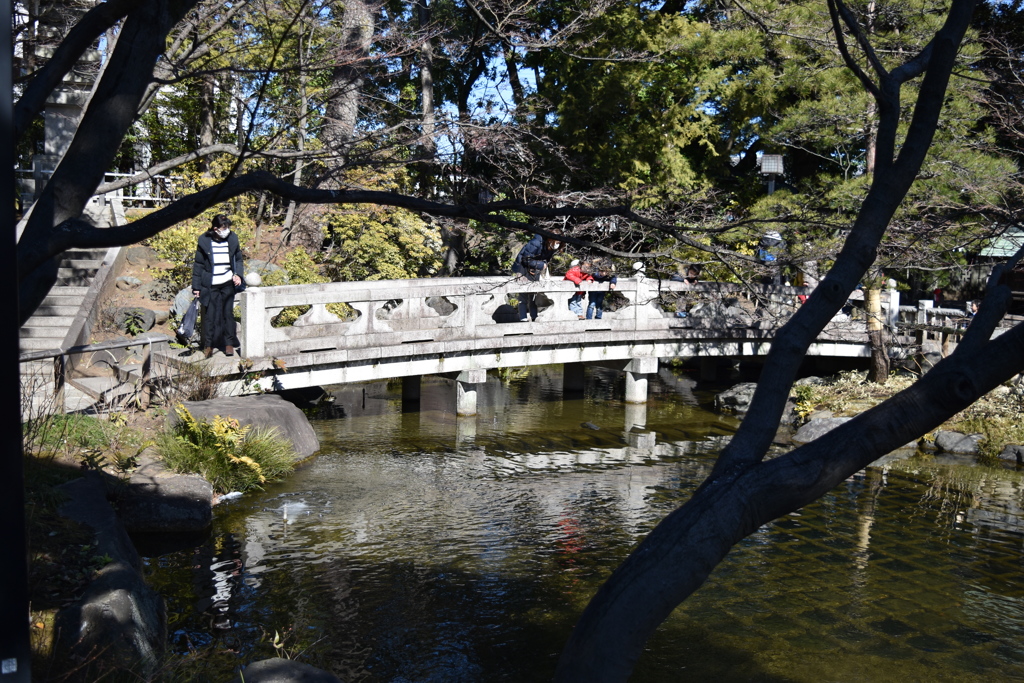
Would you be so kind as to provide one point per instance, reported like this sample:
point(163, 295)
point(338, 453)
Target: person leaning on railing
point(530, 262)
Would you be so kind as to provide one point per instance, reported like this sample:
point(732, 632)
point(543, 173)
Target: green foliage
point(379, 242)
point(133, 323)
point(231, 457)
point(86, 438)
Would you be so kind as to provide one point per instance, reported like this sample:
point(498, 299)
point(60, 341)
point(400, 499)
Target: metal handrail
point(100, 346)
point(61, 363)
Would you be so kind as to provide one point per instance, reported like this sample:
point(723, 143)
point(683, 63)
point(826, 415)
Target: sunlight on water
point(424, 547)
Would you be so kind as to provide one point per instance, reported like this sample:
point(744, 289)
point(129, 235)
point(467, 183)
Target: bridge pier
point(465, 430)
point(709, 369)
point(465, 389)
point(636, 370)
point(410, 392)
point(572, 378)
point(636, 387)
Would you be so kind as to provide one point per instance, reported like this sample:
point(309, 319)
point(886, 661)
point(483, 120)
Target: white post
point(894, 305)
point(254, 321)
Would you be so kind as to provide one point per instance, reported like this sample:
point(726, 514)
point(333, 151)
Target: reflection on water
point(425, 547)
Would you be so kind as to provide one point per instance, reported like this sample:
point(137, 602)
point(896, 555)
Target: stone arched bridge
point(462, 327)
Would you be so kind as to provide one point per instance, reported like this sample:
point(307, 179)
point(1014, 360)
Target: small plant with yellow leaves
point(231, 456)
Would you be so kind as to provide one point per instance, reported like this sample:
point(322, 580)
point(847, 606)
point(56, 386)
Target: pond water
point(424, 547)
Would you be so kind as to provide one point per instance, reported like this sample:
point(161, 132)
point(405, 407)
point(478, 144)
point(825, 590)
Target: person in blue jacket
point(216, 276)
point(530, 263)
point(595, 307)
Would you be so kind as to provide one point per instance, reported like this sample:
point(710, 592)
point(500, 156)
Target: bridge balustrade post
point(923, 307)
point(471, 313)
point(642, 303)
point(254, 322)
point(893, 312)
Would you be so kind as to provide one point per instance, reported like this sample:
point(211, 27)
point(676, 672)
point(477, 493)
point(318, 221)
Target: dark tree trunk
point(206, 119)
point(348, 75)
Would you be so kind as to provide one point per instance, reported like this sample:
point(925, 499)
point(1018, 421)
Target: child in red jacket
point(578, 273)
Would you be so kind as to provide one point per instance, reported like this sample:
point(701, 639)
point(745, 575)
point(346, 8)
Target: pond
point(424, 547)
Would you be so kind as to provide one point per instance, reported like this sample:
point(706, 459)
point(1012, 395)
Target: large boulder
point(1013, 453)
point(957, 443)
point(816, 428)
point(264, 410)
point(157, 500)
point(119, 622)
point(736, 399)
point(283, 671)
point(134, 319)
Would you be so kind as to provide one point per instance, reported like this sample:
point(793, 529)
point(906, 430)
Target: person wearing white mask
point(216, 276)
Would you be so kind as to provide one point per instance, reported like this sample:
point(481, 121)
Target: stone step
point(37, 344)
point(50, 321)
point(81, 264)
point(58, 310)
point(42, 332)
point(108, 391)
point(92, 254)
point(69, 291)
point(74, 280)
point(58, 300)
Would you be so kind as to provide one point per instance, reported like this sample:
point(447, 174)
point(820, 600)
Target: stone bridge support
point(572, 378)
point(411, 389)
point(466, 383)
point(637, 370)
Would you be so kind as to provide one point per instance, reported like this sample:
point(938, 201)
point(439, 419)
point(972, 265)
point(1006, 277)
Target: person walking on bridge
point(529, 264)
point(216, 276)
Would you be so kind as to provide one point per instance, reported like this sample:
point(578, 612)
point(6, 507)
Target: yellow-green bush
point(228, 455)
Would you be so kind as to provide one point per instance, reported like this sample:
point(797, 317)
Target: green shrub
point(90, 440)
point(228, 455)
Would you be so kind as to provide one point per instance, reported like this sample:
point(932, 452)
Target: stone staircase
point(49, 328)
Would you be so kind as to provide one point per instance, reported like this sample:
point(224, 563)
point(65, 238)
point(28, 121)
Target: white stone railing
point(396, 312)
